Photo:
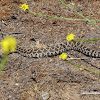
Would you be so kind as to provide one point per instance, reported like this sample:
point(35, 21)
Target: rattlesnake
point(56, 49)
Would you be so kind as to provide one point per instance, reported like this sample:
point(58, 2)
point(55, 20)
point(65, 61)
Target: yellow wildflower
point(70, 37)
point(63, 56)
point(24, 7)
point(8, 44)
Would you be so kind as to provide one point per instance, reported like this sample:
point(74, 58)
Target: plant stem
point(3, 62)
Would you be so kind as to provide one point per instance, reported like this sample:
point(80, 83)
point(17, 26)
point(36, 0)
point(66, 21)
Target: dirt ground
point(49, 78)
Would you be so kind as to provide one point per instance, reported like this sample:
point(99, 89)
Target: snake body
point(56, 49)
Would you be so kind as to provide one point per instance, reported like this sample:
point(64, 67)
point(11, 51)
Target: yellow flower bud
point(70, 37)
point(8, 44)
point(24, 7)
point(63, 56)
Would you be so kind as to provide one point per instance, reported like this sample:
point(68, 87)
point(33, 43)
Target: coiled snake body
point(56, 49)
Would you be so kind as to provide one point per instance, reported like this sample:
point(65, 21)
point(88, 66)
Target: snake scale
point(56, 49)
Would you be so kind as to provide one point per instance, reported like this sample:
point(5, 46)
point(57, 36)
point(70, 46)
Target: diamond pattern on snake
point(56, 49)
